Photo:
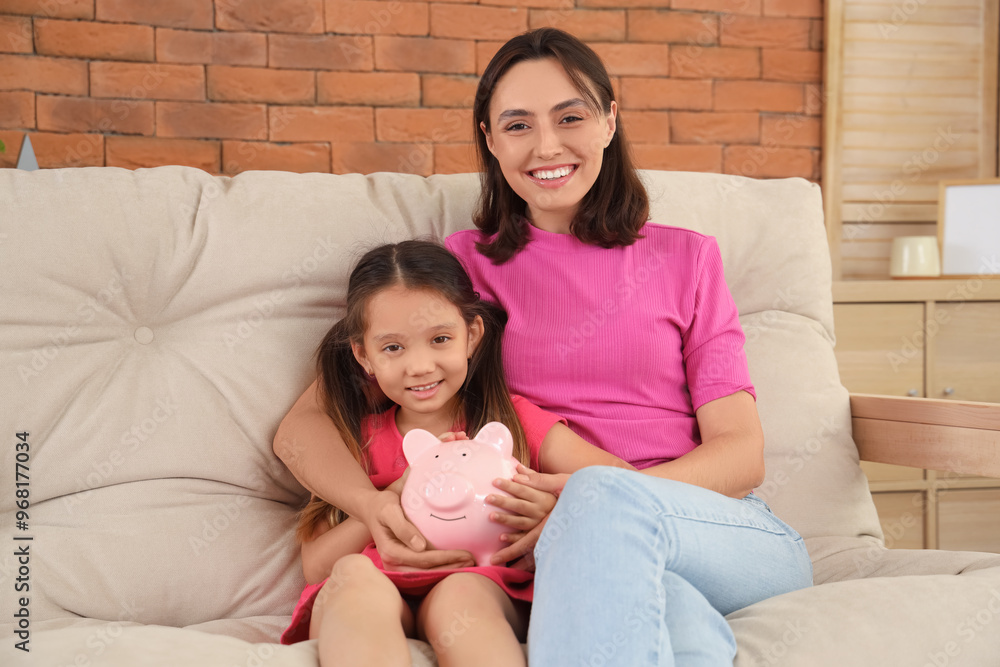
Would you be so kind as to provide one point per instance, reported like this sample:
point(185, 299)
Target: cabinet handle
point(948, 391)
point(913, 392)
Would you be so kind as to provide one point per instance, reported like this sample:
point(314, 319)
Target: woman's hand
point(534, 495)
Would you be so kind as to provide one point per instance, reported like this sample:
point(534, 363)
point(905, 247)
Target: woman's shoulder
point(462, 239)
point(669, 233)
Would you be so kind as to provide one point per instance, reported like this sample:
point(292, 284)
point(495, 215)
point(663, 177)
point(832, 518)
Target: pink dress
point(387, 465)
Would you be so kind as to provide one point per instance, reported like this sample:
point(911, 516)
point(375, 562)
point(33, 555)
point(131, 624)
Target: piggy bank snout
point(447, 491)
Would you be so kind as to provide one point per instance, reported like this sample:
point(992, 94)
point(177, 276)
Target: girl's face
point(547, 139)
point(418, 345)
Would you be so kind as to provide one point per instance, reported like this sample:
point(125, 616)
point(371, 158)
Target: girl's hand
point(400, 544)
point(451, 436)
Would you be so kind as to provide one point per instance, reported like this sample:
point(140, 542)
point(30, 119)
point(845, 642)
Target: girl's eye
point(442, 339)
point(391, 348)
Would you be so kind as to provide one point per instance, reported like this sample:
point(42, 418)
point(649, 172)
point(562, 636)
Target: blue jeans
point(634, 570)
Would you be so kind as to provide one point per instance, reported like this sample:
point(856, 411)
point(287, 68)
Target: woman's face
point(549, 142)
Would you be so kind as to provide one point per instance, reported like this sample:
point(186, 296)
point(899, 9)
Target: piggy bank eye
point(436, 455)
point(465, 454)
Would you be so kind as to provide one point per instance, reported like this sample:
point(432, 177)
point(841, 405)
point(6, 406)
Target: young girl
point(417, 348)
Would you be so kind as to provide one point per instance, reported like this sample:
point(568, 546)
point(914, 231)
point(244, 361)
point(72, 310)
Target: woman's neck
point(556, 222)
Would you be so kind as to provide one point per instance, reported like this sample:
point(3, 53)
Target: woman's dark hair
point(345, 390)
point(616, 207)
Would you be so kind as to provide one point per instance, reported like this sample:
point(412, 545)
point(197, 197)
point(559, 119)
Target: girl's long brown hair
point(616, 207)
point(348, 395)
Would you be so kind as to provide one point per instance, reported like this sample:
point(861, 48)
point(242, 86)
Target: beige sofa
point(157, 324)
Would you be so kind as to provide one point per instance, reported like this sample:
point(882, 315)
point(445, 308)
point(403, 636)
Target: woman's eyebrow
point(517, 113)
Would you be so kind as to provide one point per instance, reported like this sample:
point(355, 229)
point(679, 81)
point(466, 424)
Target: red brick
point(634, 59)
point(84, 114)
point(715, 128)
point(651, 25)
point(85, 39)
point(678, 158)
point(238, 156)
point(622, 4)
point(211, 120)
point(173, 14)
point(17, 110)
point(425, 54)
point(816, 35)
point(642, 93)
point(368, 158)
point(298, 16)
point(259, 84)
point(749, 7)
point(803, 8)
point(781, 65)
point(590, 25)
point(758, 96)
point(697, 62)
point(815, 99)
point(54, 151)
point(151, 81)
point(765, 31)
point(312, 124)
point(16, 35)
point(325, 52)
point(58, 9)
point(139, 152)
point(368, 88)
point(455, 159)
point(646, 127)
point(442, 90)
point(12, 142)
point(211, 48)
point(43, 75)
point(484, 54)
point(477, 21)
point(768, 161)
point(374, 17)
point(544, 4)
point(792, 130)
point(417, 125)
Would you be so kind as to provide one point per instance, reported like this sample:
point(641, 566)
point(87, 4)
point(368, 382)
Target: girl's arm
point(310, 445)
point(730, 458)
point(329, 543)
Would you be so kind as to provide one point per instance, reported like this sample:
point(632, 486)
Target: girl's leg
point(360, 617)
point(471, 621)
point(635, 570)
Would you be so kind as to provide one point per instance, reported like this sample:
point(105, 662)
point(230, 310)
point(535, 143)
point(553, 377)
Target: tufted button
point(144, 335)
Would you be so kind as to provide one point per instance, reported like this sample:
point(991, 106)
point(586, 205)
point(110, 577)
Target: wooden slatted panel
point(917, 105)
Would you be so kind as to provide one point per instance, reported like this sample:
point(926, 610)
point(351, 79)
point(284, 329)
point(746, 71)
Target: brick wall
point(382, 85)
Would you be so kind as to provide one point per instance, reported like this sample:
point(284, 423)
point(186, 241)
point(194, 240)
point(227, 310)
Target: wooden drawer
point(880, 347)
point(969, 520)
point(901, 515)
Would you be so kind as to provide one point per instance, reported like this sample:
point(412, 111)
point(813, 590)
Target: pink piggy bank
point(445, 494)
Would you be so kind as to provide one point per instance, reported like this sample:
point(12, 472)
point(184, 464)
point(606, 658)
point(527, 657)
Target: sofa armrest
point(954, 436)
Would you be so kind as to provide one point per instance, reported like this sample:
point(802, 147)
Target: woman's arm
point(310, 445)
point(730, 458)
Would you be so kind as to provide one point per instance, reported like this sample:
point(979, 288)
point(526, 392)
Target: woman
point(628, 331)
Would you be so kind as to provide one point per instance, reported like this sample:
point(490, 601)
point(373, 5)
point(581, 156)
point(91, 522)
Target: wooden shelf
point(932, 289)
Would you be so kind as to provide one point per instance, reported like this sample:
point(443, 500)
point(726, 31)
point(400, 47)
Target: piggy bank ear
point(416, 442)
point(496, 435)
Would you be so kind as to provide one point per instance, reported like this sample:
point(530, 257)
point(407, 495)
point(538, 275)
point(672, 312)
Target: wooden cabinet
point(937, 339)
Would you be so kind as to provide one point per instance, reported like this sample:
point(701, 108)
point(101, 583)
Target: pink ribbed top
point(625, 343)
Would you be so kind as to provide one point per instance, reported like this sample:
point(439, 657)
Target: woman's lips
point(553, 182)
